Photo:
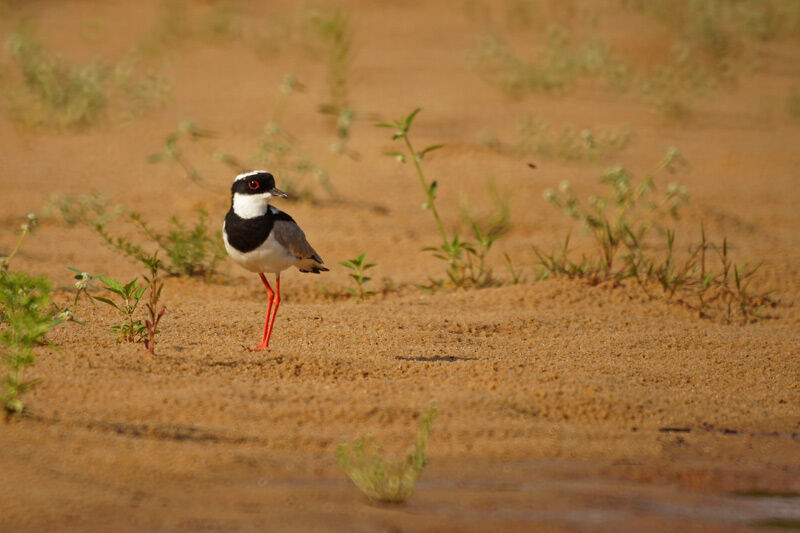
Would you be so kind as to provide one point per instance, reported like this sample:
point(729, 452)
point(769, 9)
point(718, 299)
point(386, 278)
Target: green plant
point(382, 479)
point(358, 267)
point(539, 137)
point(27, 228)
point(128, 294)
point(559, 67)
point(624, 215)
point(465, 261)
point(53, 93)
point(192, 249)
point(621, 222)
point(174, 151)
point(516, 275)
point(333, 29)
point(278, 150)
point(154, 286)
point(83, 282)
point(497, 221)
point(27, 315)
point(92, 208)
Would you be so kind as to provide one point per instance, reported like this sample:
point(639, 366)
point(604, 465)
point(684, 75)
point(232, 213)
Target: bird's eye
point(254, 185)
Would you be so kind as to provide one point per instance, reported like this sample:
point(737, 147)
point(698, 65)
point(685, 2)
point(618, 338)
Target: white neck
point(251, 205)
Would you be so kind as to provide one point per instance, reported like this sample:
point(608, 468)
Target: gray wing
point(289, 234)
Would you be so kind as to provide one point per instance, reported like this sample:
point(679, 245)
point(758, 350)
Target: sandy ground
point(561, 406)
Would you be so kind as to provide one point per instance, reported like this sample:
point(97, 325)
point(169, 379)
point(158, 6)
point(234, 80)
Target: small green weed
point(539, 137)
point(92, 208)
point(497, 221)
point(187, 133)
point(358, 267)
point(560, 66)
point(387, 480)
point(128, 296)
point(26, 228)
point(55, 94)
point(278, 150)
point(466, 264)
point(154, 313)
point(192, 250)
point(516, 275)
point(620, 223)
point(333, 29)
point(83, 282)
point(27, 315)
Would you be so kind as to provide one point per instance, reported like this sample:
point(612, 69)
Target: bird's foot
point(261, 348)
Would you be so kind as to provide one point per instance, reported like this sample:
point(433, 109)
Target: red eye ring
point(253, 185)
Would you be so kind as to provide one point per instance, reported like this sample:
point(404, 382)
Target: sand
point(561, 406)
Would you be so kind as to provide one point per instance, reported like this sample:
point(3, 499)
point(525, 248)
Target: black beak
point(277, 192)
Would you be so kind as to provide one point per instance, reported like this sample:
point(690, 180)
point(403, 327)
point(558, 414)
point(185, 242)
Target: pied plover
point(262, 238)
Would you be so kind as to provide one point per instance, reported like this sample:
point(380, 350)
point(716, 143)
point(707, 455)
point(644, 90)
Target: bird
point(263, 239)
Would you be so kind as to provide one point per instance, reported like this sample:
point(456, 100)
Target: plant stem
point(7, 260)
point(426, 187)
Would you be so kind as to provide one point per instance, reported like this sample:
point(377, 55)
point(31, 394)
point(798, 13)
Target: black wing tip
point(315, 270)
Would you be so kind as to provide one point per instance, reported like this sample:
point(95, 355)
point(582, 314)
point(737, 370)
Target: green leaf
point(111, 284)
point(421, 154)
point(410, 118)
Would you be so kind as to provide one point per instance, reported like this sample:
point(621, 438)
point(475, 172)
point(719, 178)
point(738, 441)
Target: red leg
point(277, 304)
point(271, 295)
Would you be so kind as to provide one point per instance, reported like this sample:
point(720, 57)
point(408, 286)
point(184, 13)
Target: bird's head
point(251, 193)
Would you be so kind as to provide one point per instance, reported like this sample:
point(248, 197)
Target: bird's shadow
point(435, 358)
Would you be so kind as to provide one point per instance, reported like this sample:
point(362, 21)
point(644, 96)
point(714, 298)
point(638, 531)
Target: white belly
point(271, 256)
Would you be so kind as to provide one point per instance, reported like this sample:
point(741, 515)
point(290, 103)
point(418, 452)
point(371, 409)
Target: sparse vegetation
point(621, 222)
point(717, 26)
point(26, 228)
point(91, 209)
point(386, 480)
point(154, 313)
point(26, 315)
point(539, 137)
point(53, 93)
point(358, 266)
point(333, 29)
point(128, 296)
point(466, 262)
point(559, 67)
point(278, 150)
point(192, 250)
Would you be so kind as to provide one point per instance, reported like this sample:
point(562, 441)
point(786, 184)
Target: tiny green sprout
point(386, 479)
point(129, 294)
point(358, 267)
point(83, 282)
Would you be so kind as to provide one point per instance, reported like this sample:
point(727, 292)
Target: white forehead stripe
point(248, 174)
